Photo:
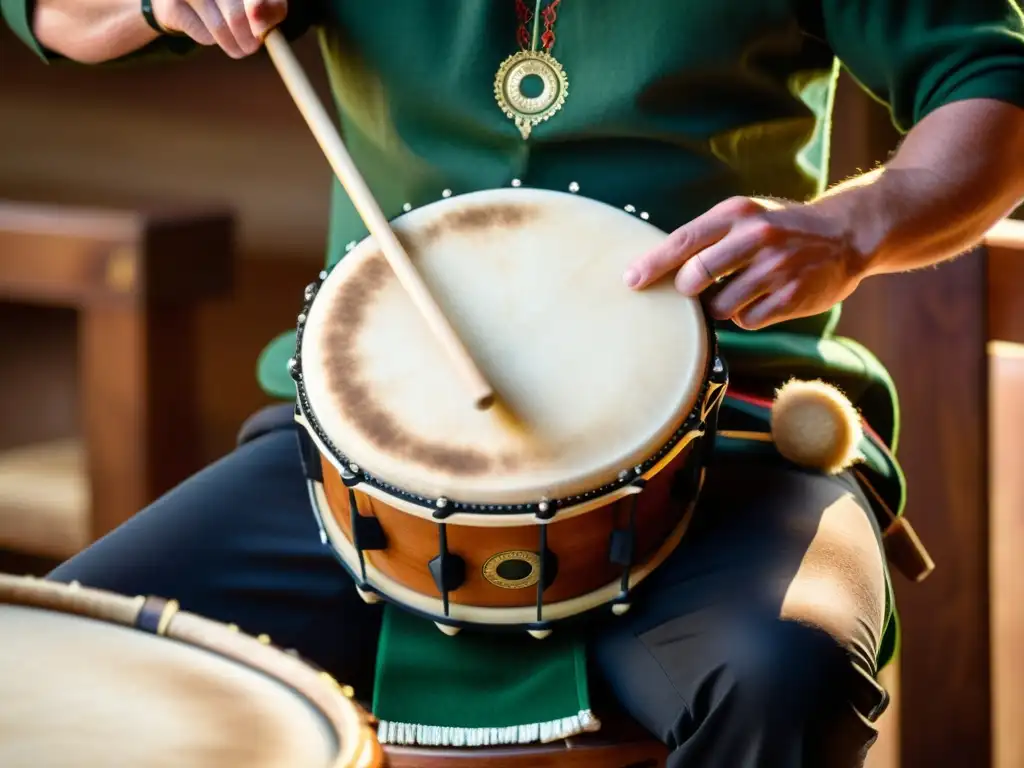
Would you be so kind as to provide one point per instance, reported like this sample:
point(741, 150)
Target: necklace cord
point(528, 41)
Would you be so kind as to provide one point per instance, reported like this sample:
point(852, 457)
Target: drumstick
point(330, 142)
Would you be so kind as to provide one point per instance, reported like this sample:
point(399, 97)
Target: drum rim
point(156, 616)
point(714, 371)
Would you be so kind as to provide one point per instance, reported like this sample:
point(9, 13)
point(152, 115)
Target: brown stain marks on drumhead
point(341, 358)
point(228, 728)
point(477, 218)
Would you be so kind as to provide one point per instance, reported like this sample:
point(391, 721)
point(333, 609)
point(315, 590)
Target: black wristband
point(147, 14)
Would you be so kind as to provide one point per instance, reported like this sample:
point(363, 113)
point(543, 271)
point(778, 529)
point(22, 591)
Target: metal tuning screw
point(293, 369)
point(441, 503)
point(349, 477)
point(310, 292)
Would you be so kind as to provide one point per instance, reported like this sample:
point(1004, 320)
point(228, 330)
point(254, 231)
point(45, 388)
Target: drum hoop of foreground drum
point(578, 483)
point(172, 660)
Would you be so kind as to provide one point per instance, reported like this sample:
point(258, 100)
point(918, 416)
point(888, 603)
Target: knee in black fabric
point(269, 419)
point(789, 675)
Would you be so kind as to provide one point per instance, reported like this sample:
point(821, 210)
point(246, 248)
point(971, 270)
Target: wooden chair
point(134, 280)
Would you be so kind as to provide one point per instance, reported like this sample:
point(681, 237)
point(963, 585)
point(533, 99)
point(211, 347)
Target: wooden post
point(135, 279)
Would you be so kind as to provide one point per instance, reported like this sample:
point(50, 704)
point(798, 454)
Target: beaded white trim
point(410, 734)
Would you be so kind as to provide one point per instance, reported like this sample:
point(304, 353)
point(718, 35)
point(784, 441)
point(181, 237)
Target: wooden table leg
point(139, 406)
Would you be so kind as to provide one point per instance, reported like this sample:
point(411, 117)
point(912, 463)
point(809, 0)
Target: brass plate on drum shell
point(515, 562)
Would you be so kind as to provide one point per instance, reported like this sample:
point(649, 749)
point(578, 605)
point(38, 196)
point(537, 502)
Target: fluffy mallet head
point(814, 425)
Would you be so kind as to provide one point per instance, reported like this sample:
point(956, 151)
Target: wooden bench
point(134, 280)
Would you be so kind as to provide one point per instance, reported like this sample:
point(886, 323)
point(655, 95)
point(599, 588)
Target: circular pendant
point(528, 111)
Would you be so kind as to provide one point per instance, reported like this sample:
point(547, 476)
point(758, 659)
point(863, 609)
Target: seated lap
point(776, 589)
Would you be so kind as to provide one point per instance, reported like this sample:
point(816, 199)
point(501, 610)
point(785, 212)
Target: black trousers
point(754, 645)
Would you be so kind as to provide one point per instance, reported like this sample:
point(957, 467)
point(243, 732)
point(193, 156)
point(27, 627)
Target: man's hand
point(934, 200)
point(237, 26)
point(782, 260)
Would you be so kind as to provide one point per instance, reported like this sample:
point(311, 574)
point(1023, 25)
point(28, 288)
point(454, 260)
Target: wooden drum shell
point(580, 542)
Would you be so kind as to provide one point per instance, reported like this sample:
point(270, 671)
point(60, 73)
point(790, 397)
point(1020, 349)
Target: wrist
point(148, 14)
point(867, 212)
point(91, 32)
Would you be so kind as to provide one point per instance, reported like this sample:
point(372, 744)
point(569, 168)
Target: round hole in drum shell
point(514, 569)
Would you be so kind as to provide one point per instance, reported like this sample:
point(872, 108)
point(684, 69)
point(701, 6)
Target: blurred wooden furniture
point(960, 674)
point(135, 280)
point(1006, 489)
point(885, 752)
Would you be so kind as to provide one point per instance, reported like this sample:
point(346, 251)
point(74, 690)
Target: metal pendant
point(528, 111)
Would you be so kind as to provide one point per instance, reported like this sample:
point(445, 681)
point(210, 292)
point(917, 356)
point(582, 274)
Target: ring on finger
point(707, 271)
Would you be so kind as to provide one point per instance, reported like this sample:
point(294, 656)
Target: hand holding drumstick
point(236, 26)
point(330, 142)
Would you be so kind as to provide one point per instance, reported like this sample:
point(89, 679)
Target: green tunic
point(672, 107)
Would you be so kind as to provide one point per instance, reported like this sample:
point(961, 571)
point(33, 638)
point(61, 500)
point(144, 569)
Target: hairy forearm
point(91, 31)
point(956, 174)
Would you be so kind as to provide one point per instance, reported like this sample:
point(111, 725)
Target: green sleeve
point(918, 55)
point(18, 16)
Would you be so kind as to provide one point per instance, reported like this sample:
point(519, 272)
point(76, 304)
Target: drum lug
point(538, 634)
point(369, 597)
point(448, 629)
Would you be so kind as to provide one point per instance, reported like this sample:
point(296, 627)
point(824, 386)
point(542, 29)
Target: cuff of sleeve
point(1003, 84)
point(18, 14)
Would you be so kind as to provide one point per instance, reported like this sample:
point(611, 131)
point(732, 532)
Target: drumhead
point(594, 377)
point(88, 693)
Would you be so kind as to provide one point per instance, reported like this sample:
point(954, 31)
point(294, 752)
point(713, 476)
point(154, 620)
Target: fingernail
point(632, 277)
